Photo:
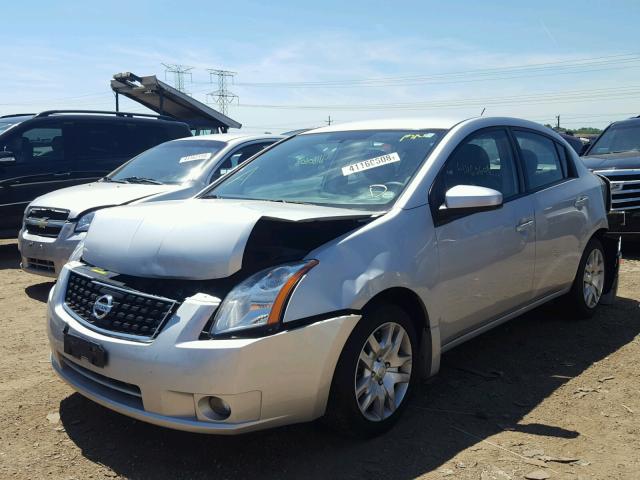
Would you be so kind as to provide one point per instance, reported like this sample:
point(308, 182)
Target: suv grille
point(46, 222)
point(42, 265)
point(122, 311)
point(625, 188)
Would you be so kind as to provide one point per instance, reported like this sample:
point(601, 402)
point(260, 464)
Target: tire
point(347, 412)
point(583, 299)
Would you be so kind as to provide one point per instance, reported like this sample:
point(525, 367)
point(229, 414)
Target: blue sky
point(62, 55)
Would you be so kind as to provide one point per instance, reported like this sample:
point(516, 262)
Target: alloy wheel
point(383, 371)
point(593, 279)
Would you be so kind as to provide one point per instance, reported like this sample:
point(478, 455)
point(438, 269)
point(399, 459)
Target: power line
point(222, 96)
point(179, 74)
point(546, 68)
point(550, 97)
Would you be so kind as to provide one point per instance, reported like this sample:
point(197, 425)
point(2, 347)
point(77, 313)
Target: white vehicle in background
point(55, 223)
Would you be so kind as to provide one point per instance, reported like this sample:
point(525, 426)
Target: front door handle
point(581, 201)
point(524, 224)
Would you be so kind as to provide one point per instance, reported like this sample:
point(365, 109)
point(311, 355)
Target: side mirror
point(472, 198)
point(7, 158)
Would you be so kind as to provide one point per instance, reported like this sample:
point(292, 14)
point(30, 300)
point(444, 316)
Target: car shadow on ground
point(631, 250)
point(39, 291)
point(9, 256)
point(485, 386)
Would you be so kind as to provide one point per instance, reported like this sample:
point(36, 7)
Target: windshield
point(353, 169)
point(618, 138)
point(170, 162)
point(6, 125)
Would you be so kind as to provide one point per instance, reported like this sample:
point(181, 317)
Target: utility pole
point(329, 121)
point(223, 97)
point(558, 122)
point(179, 74)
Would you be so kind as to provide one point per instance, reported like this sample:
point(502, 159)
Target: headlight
point(260, 300)
point(24, 215)
point(84, 222)
point(77, 252)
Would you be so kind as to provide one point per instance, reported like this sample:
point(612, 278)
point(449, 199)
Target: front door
point(41, 166)
point(486, 258)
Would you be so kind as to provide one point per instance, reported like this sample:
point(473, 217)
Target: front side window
point(617, 139)
point(172, 162)
point(485, 160)
point(350, 169)
point(541, 164)
point(38, 144)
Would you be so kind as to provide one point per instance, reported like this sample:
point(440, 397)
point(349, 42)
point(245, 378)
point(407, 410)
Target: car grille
point(132, 314)
point(46, 222)
point(41, 265)
point(625, 188)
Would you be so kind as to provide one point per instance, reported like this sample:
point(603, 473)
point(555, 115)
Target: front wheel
point(587, 288)
point(375, 373)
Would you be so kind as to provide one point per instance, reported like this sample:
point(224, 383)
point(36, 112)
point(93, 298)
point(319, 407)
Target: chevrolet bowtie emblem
point(42, 222)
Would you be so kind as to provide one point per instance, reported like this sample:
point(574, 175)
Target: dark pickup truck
point(615, 154)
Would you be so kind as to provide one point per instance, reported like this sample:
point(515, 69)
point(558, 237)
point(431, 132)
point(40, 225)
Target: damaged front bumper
point(268, 381)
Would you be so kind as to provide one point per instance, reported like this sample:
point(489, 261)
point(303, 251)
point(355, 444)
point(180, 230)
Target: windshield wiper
point(110, 180)
point(141, 180)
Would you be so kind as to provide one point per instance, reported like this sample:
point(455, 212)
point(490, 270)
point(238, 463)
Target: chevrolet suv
point(43, 152)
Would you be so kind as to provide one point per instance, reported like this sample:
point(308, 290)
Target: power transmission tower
point(179, 74)
point(223, 97)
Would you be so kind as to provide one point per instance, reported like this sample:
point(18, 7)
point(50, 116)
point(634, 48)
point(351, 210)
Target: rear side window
point(540, 160)
point(118, 139)
point(96, 140)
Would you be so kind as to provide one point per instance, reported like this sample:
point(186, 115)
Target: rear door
point(99, 146)
point(42, 165)
point(102, 145)
point(561, 209)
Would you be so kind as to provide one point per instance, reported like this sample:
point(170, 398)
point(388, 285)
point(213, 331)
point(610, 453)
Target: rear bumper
point(268, 381)
point(46, 255)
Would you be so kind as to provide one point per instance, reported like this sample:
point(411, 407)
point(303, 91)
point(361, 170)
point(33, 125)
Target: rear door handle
point(581, 201)
point(524, 224)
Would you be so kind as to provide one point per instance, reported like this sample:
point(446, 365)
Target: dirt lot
point(528, 396)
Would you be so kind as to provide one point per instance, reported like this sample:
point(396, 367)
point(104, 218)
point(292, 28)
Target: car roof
point(390, 124)
point(15, 118)
point(435, 123)
point(232, 137)
point(627, 121)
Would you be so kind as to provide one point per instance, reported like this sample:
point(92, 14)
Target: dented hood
point(195, 239)
point(80, 198)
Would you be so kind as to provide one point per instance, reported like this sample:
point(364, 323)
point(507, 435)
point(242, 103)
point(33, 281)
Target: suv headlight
point(260, 300)
point(24, 215)
point(76, 256)
point(84, 222)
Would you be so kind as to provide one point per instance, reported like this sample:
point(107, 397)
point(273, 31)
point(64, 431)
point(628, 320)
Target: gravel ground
point(540, 395)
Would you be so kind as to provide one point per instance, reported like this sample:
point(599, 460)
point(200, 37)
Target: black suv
point(43, 152)
point(616, 155)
